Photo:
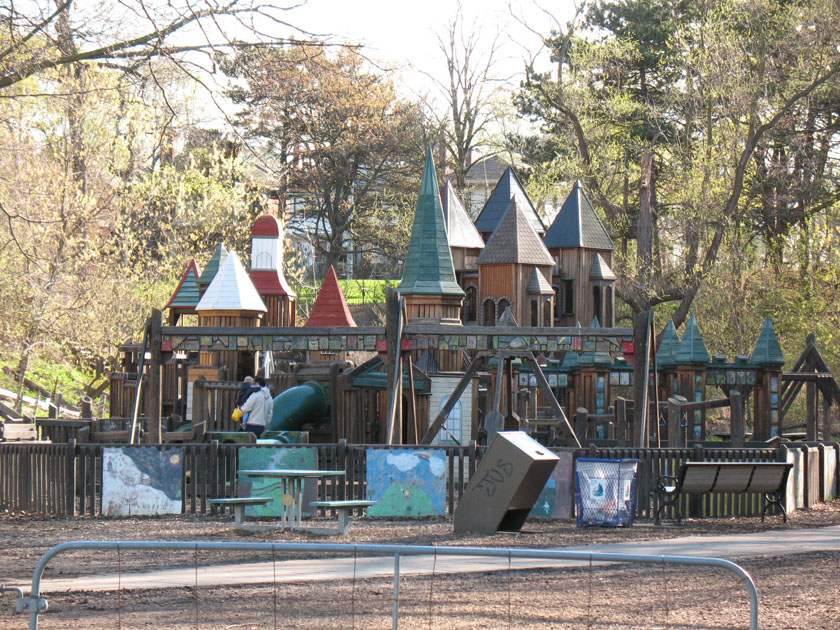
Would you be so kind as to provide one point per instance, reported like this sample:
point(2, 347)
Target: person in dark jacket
point(247, 388)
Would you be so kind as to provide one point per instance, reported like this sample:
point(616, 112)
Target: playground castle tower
point(267, 272)
point(428, 285)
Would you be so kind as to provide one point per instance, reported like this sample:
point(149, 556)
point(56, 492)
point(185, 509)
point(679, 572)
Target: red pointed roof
point(330, 308)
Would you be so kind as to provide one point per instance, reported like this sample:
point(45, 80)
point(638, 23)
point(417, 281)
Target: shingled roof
point(508, 189)
point(578, 225)
point(668, 347)
point(515, 241)
point(330, 308)
point(600, 270)
point(216, 261)
point(768, 351)
point(692, 348)
point(231, 290)
point(186, 294)
point(459, 227)
point(428, 263)
point(538, 285)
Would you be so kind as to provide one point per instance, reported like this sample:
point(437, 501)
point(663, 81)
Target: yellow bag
point(236, 416)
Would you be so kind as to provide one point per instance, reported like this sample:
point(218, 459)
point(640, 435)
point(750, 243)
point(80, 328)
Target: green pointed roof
point(768, 351)
point(213, 265)
point(692, 348)
point(428, 263)
point(665, 356)
point(186, 294)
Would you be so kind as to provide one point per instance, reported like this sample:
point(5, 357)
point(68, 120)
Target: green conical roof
point(692, 348)
point(212, 267)
point(428, 264)
point(665, 356)
point(768, 351)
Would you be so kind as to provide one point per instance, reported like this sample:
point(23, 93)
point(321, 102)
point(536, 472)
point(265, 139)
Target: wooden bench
point(768, 478)
point(18, 431)
point(239, 504)
point(343, 508)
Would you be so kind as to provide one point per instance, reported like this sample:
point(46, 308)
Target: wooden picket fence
point(66, 479)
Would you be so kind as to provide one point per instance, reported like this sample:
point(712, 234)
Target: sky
point(403, 33)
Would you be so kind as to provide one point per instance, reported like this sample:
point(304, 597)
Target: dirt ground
point(799, 591)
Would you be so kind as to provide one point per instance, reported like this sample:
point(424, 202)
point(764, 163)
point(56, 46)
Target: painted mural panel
point(557, 496)
point(406, 482)
point(279, 458)
point(140, 480)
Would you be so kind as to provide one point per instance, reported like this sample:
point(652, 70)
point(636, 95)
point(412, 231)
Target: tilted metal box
point(506, 484)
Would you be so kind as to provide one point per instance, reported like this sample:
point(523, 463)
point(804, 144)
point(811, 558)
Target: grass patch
point(355, 291)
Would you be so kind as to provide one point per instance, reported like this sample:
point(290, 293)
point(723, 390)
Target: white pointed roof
point(231, 290)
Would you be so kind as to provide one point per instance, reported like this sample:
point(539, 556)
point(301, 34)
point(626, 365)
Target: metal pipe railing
point(35, 605)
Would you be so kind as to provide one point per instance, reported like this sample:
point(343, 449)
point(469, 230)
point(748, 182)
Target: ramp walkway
point(730, 547)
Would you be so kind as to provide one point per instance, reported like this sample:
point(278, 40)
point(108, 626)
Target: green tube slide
point(297, 406)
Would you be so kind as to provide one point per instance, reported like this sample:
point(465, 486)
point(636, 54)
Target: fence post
point(675, 432)
point(736, 415)
point(621, 421)
point(581, 420)
point(70, 479)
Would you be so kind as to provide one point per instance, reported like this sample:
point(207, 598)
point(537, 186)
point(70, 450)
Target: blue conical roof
point(428, 263)
point(577, 224)
point(665, 356)
point(692, 348)
point(507, 189)
point(768, 351)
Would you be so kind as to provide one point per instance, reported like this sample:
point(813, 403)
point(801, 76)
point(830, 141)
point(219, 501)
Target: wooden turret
point(692, 358)
point(231, 301)
point(428, 284)
point(267, 272)
point(767, 357)
point(582, 252)
point(466, 244)
point(515, 271)
point(508, 189)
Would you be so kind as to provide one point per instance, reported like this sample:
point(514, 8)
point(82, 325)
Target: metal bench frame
point(768, 478)
point(343, 508)
point(239, 504)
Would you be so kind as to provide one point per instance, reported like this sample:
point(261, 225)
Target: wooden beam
point(154, 397)
point(453, 399)
point(542, 383)
point(393, 365)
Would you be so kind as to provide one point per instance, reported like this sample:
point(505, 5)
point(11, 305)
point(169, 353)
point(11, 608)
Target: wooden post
point(87, 408)
point(826, 406)
point(393, 367)
point(581, 420)
point(621, 421)
point(812, 419)
point(675, 432)
point(736, 429)
point(641, 369)
point(154, 390)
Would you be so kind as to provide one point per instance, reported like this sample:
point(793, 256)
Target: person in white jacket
point(260, 404)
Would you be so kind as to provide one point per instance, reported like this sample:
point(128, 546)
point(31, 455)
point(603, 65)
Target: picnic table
point(291, 482)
